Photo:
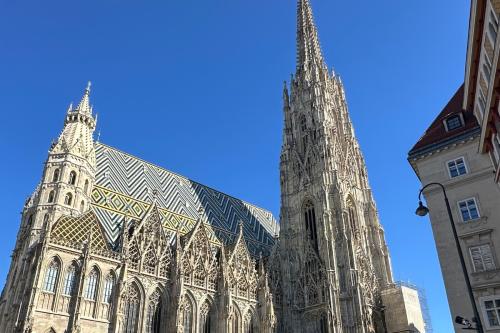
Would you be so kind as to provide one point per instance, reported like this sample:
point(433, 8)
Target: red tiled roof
point(437, 133)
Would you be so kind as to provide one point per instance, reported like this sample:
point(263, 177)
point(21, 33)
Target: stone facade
point(110, 243)
point(403, 310)
point(333, 255)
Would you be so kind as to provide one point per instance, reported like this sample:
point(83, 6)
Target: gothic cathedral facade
point(109, 243)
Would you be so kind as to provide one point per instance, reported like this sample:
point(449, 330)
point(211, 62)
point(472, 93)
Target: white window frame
point(492, 258)
point(455, 161)
point(460, 117)
point(484, 313)
point(477, 209)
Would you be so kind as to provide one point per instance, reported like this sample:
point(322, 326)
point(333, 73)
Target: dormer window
point(453, 122)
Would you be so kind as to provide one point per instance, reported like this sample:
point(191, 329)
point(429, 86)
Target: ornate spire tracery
point(309, 56)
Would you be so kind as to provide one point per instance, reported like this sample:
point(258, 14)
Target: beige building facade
point(450, 157)
point(461, 150)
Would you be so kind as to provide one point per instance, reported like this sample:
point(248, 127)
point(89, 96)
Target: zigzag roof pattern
point(126, 186)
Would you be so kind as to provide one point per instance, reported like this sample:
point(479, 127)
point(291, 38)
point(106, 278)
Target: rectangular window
point(482, 259)
point(468, 210)
point(491, 311)
point(453, 122)
point(457, 167)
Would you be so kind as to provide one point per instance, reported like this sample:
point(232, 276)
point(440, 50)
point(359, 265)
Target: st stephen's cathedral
point(109, 243)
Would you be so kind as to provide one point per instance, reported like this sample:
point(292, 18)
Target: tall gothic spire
point(309, 57)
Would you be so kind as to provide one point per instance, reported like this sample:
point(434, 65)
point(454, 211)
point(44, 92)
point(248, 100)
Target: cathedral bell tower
point(70, 167)
point(333, 252)
point(64, 190)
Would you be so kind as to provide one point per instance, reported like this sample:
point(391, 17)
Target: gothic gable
point(199, 257)
point(148, 247)
point(241, 269)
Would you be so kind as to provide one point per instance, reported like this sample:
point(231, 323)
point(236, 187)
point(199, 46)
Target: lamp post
point(422, 211)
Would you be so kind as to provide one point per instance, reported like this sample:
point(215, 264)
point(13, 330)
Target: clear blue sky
point(195, 86)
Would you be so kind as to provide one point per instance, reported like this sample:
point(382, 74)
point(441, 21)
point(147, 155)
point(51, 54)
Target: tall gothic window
point(49, 285)
point(248, 325)
point(153, 319)
point(92, 281)
point(68, 199)
point(69, 280)
point(235, 321)
point(55, 176)
point(131, 309)
point(51, 197)
point(72, 178)
point(82, 206)
point(323, 325)
point(352, 218)
point(205, 318)
point(108, 289)
point(303, 129)
point(187, 317)
point(86, 187)
point(310, 222)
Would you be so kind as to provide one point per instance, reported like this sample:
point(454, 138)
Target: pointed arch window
point(82, 206)
point(92, 281)
point(72, 178)
point(109, 284)
point(86, 187)
point(131, 309)
point(205, 318)
point(323, 325)
point(51, 197)
point(248, 326)
point(310, 223)
point(68, 199)
point(51, 276)
point(55, 176)
point(153, 319)
point(187, 317)
point(352, 218)
point(69, 280)
point(235, 322)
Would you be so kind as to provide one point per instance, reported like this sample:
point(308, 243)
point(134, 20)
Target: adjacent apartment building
point(448, 154)
point(461, 150)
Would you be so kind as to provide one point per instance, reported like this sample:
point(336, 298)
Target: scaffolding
point(423, 303)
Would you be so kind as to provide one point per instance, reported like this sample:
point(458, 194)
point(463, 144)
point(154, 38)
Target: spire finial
point(84, 105)
point(309, 56)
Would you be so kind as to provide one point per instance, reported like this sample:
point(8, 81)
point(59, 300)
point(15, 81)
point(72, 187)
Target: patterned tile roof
point(78, 230)
point(125, 186)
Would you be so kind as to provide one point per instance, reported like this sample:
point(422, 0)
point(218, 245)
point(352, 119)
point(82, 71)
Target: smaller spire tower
point(69, 174)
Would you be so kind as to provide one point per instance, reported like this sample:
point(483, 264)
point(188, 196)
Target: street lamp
point(423, 211)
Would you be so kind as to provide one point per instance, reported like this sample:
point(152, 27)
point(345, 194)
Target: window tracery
point(69, 280)
point(205, 318)
point(310, 224)
point(92, 283)
point(51, 276)
point(153, 319)
point(131, 309)
point(108, 289)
